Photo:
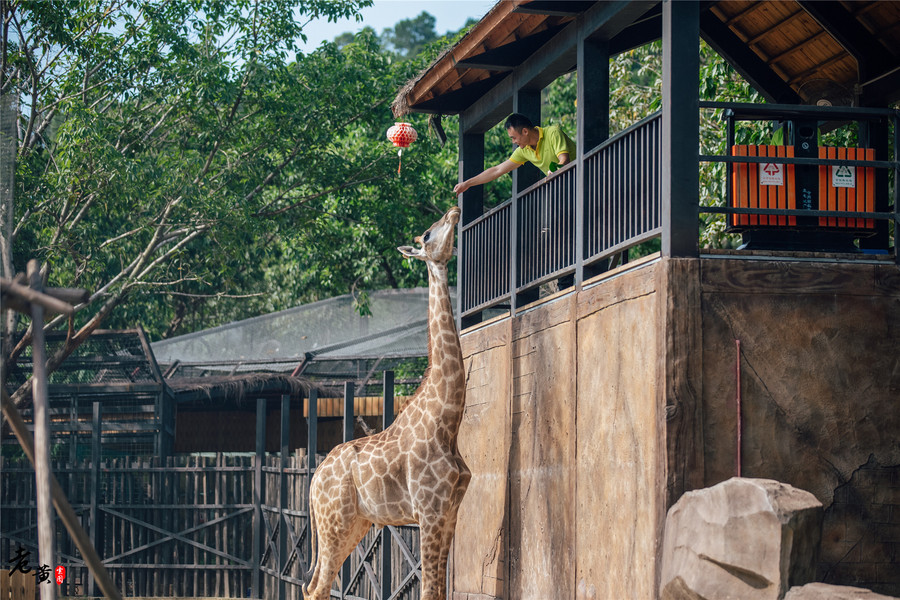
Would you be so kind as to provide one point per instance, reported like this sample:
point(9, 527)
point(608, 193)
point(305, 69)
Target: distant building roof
point(328, 330)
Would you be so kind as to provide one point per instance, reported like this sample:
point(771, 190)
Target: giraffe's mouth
point(440, 230)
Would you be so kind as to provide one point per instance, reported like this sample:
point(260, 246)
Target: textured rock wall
point(820, 373)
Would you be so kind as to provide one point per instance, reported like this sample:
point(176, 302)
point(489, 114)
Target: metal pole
point(387, 416)
point(255, 582)
point(96, 432)
point(283, 538)
point(348, 436)
point(312, 445)
point(45, 515)
point(896, 188)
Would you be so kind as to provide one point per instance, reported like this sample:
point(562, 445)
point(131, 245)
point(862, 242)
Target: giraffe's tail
point(307, 578)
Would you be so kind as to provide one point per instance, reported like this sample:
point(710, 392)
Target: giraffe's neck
point(445, 383)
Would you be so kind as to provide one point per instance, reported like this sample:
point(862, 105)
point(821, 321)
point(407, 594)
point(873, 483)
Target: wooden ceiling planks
point(793, 43)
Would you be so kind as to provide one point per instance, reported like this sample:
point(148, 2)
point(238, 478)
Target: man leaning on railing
point(547, 148)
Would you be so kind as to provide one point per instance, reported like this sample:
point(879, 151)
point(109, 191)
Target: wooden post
point(312, 446)
point(387, 417)
point(348, 436)
point(528, 103)
point(680, 168)
point(258, 491)
point(45, 515)
point(471, 203)
point(96, 420)
point(593, 129)
point(283, 537)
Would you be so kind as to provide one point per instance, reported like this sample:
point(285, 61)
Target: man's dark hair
point(517, 121)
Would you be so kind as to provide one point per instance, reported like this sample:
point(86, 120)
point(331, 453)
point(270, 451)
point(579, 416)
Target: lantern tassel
point(399, 159)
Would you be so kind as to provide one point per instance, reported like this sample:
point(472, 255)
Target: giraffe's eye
point(427, 235)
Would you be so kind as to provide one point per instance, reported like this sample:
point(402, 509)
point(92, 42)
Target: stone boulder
point(747, 539)
point(824, 591)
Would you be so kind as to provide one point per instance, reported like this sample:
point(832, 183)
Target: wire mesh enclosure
point(205, 524)
point(115, 369)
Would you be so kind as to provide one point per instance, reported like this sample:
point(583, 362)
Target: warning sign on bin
point(771, 174)
point(843, 177)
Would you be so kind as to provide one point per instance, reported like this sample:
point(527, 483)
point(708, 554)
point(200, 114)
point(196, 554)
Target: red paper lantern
point(401, 135)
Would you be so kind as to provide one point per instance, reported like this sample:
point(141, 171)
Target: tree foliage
point(183, 160)
point(188, 165)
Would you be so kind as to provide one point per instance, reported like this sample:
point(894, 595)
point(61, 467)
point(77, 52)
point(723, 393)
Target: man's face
point(520, 137)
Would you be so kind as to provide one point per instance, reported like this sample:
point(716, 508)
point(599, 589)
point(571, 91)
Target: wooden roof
point(791, 51)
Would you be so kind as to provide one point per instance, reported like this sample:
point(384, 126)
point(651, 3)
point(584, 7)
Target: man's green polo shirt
point(552, 142)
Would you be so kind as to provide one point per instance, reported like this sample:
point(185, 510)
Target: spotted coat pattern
point(412, 471)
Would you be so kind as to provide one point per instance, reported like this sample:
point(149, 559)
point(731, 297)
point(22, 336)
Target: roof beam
point(555, 8)
point(746, 62)
point(639, 33)
point(882, 90)
point(509, 56)
point(851, 34)
point(603, 20)
point(457, 100)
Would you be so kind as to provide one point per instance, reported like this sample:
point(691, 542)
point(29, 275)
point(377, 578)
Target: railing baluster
point(621, 209)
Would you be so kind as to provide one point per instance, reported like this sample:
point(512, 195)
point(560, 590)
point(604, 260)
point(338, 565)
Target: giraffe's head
point(436, 244)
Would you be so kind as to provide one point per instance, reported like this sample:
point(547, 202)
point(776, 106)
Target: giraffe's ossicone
point(412, 471)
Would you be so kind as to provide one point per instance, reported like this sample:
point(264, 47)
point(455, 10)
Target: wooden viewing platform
point(591, 411)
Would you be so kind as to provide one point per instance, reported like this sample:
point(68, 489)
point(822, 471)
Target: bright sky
point(449, 15)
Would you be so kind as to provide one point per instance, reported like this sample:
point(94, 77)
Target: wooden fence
point(229, 526)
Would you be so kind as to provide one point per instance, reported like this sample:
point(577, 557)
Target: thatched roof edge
point(237, 388)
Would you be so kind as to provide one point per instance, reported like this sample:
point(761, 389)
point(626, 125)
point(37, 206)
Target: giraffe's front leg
point(436, 535)
point(434, 567)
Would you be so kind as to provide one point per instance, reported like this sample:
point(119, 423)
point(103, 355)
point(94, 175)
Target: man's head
point(520, 129)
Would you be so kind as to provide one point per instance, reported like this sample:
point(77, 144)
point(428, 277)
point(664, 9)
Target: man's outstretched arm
point(486, 176)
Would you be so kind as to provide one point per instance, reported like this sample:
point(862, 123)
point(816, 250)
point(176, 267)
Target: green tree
point(164, 145)
point(410, 36)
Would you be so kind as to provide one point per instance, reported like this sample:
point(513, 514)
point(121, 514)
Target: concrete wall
point(820, 390)
point(562, 432)
point(590, 414)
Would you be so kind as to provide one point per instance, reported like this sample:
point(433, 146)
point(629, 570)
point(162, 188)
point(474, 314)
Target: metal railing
point(622, 190)
point(533, 238)
point(484, 259)
point(811, 211)
point(545, 246)
point(610, 200)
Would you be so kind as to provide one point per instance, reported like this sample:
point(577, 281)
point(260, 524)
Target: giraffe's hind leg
point(335, 545)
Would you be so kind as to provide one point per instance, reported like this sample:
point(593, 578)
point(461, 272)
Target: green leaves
point(186, 165)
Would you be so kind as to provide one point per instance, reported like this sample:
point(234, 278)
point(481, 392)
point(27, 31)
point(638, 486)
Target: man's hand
point(461, 187)
point(485, 176)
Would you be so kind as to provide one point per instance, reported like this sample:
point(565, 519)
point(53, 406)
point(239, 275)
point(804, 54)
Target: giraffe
point(412, 471)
